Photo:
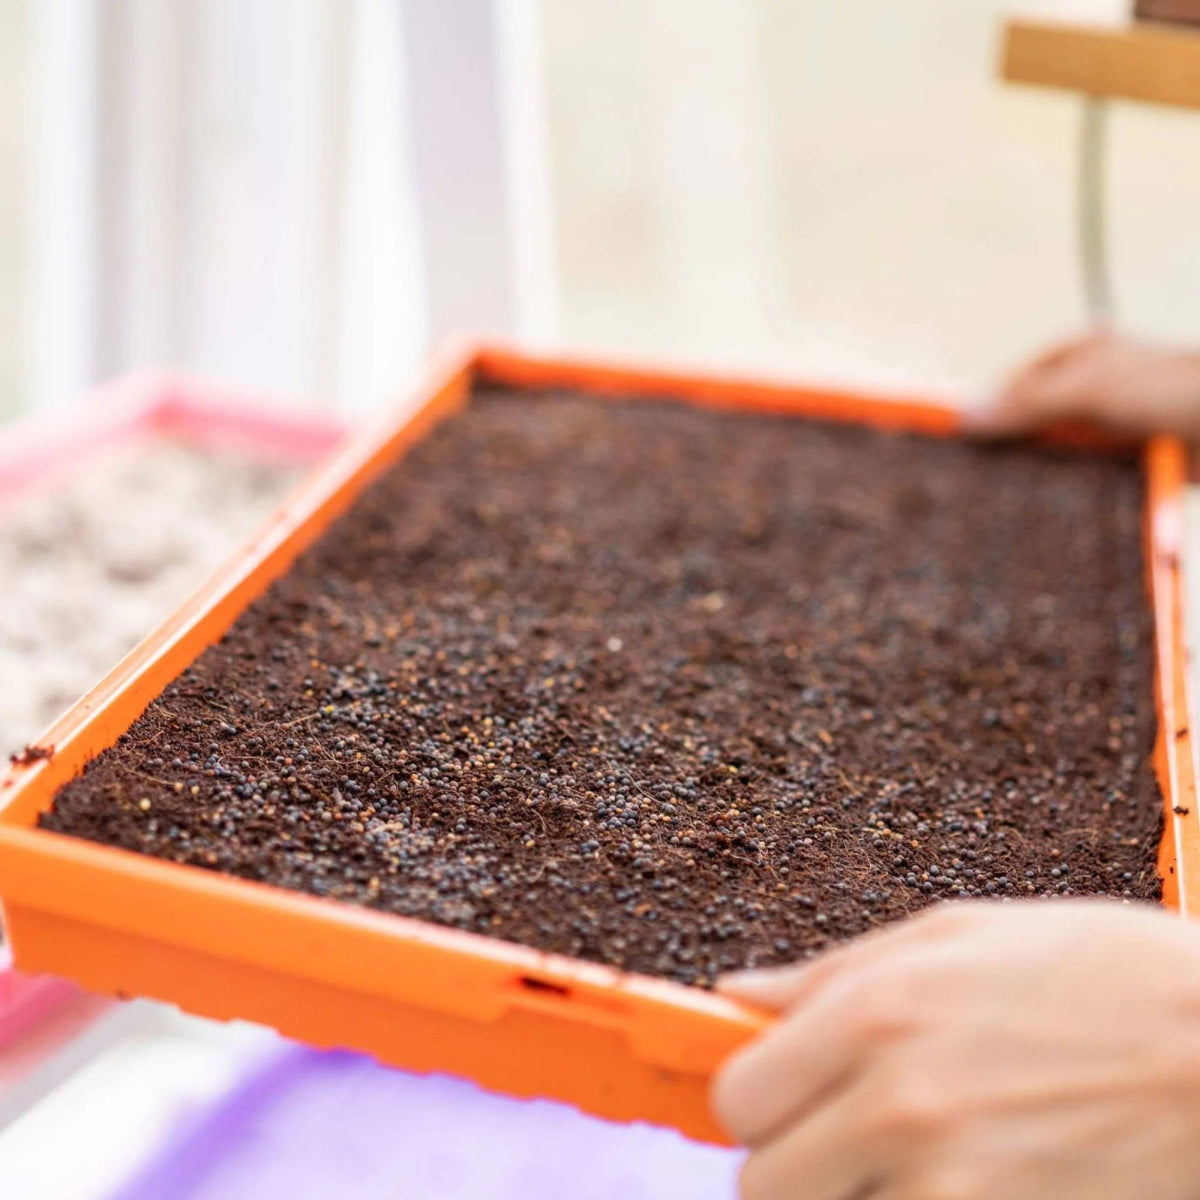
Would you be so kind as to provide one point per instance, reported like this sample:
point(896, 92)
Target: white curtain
point(296, 195)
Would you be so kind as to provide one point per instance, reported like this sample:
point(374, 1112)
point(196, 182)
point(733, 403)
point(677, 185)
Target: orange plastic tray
point(414, 994)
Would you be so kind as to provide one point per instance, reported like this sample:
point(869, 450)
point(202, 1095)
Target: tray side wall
point(521, 1052)
point(1174, 751)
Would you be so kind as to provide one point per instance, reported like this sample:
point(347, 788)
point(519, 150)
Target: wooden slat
point(1155, 63)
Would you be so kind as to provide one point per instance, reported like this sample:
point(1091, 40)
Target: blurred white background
point(301, 194)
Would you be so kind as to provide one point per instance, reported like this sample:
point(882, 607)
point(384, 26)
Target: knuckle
point(728, 1098)
point(867, 1006)
point(954, 1183)
point(883, 1006)
point(938, 1188)
point(755, 1182)
point(913, 1108)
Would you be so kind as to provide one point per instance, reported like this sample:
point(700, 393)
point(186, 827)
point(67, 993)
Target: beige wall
point(836, 187)
point(839, 187)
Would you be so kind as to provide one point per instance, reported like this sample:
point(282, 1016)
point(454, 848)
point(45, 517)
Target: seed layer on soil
point(674, 690)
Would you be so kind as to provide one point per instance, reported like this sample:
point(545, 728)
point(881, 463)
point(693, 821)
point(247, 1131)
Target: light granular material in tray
point(91, 566)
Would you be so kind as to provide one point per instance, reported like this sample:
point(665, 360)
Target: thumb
point(780, 988)
point(772, 988)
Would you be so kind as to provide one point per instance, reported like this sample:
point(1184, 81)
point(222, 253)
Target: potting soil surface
point(674, 690)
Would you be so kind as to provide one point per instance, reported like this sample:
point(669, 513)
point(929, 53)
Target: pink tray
point(26, 999)
point(37, 453)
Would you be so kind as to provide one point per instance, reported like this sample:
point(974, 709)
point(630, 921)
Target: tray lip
point(459, 367)
point(37, 448)
point(1166, 474)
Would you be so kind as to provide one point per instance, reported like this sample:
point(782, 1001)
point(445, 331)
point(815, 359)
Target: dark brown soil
point(673, 690)
point(30, 755)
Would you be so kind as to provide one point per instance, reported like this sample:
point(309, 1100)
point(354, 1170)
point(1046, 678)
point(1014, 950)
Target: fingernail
point(751, 978)
point(750, 981)
point(978, 410)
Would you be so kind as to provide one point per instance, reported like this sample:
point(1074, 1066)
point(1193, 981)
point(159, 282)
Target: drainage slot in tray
point(543, 986)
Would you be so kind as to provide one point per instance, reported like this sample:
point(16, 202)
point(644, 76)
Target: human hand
point(1036, 1051)
point(1122, 383)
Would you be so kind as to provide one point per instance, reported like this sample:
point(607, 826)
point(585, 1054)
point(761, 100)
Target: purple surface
point(312, 1126)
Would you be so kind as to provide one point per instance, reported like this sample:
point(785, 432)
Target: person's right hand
point(1119, 382)
point(1046, 1050)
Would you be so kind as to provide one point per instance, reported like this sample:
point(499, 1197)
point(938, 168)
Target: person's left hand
point(1038, 1051)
